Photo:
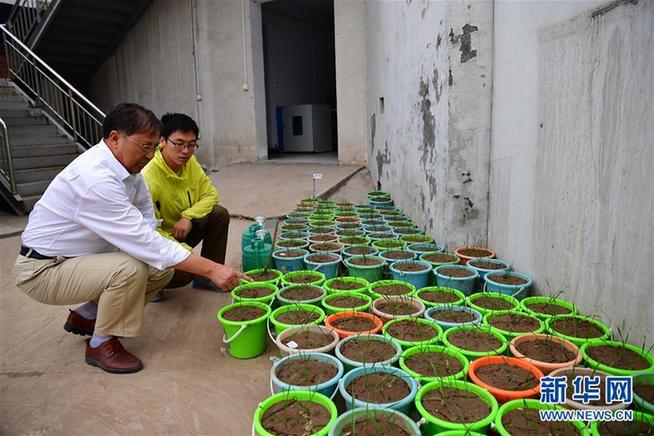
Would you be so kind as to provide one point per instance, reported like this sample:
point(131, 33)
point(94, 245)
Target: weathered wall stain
point(382, 159)
point(438, 87)
point(465, 38)
point(438, 41)
point(428, 133)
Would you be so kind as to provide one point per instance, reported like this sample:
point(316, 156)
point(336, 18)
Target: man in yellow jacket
point(184, 199)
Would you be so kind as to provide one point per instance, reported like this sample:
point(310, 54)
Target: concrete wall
point(430, 62)
point(572, 154)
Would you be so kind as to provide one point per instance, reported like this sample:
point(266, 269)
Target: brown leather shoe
point(78, 325)
point(112, 357)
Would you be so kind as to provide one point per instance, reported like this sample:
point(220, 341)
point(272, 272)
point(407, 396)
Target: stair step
point(28, 140)
point(29, 202)
point(20, 113)
point(25, 121)
point(14, 105)
point(24, 163)
point(32, 188)
point(38, 175)
point(43, 150)
point(44, 130)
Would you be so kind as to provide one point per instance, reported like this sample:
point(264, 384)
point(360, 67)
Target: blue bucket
point(288, 264)
point(329, 269)
point(327, 388)
point(421, 248)
point(517, 291)
point(419, 279)
point(404, 405)
point(504, 266)
point(429, 314)
point(463, 284)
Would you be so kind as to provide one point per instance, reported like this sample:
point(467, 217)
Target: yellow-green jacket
point(189, 194)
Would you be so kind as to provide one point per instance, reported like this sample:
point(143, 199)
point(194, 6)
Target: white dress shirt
point(96, 206)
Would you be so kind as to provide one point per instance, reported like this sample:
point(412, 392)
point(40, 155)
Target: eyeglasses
point(146, 147)
point(182, 145)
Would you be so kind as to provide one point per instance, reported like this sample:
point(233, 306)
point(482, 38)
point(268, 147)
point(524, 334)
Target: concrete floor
point(190, 385)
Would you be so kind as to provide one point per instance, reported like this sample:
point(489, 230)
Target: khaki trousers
point(119, 283)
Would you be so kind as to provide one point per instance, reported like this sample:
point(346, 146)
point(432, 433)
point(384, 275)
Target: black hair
point(170, 123)
point(130, 118)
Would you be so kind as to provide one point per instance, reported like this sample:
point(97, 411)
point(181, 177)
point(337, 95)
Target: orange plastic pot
point(344, 333)
point(503, 395)
point(465, 258)
point(545, 367)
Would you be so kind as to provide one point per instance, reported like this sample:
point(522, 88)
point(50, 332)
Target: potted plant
point(303, 277)
point(578, 329)
point(484, 265)
point(420, 248)
point(395, 307)
point(359, 250)
point(508, 282)
point(511, 323)
point(259, 292)
point(572, 372)
point(644, 392)
point(321, 230)
point(349, 233)
point(340, 285)
point(365, 420)
point(458, 277)
point(353, 323)
point(289, 259)
point(475, 341)
point(325, 237)
point(453, 316)
point(418, 238)
point(286, 411)
point(438, 259)
point(291, 243)
point(617, 358)
point(642, 424)
point(466, 253)
point(367, 350)
point(315, 372)
point(545, 352)
point(518, 416)
point(378, 387)
point(389, 288)
point(506, 378)
point(439, 295)
point(351, 301)
point(388, 244)
point(294, 234)
point(306, 339)
point(326, 247)
point(411, 332)
point(415, 272)
point(292, 315)
point(434, 362)
point(547, 307)
point(263, 275)
point(370, 268)
point(300, 294)
point(244, 324)
point(487, 302)
point(349, 241)
point(324, 262)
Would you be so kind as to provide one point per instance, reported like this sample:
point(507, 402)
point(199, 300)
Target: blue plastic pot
point(517, 291)
point(431, 312)
point(403, 405)
point(463, 284)
point(419, 279)
point(380, 202)
point(288, 264)
point(326, 388)
point(329, 269)
point(421, 248)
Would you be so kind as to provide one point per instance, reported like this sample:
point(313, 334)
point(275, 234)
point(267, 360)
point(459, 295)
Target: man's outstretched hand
point(226, 277)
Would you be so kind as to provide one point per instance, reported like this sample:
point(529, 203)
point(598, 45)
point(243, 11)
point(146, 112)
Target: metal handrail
point(26, 15)
point(7, 169)
point(81, 118)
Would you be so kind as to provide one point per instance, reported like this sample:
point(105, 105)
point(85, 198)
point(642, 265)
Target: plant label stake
point(316, 176)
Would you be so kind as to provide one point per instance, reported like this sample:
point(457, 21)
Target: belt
point(32, 253)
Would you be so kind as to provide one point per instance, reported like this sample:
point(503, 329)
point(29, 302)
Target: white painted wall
point(572, 153)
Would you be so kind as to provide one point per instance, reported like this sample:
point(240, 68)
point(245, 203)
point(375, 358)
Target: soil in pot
point(644, 391)
point(348, 219)
point(493, 303)
point(569, 390)
point(349, 225)
point(301, 293)
point(617, 357)
point(354, 324)
point(350, 234)
point(439, 258)
point(379, 425)
point(548, 308)
point(290, 253)
point(514, 322)
point(303, 278)
point(475, 252)
point(398, 308)
point(543, 350)
point(389, 244)
point(326, 246)
point(320, 258)
point(455, 405)
point(507, 377)
point(290, 243)
point(254, 292)
point(372, 222)
point(367, 351)
point(433, 364)
point(378, 387)
point(293, 417)
point(410, 232)
point(398, 255)
point(576, 327)
point(320, 231)
point(309, 340)
point(410, 266)
point(359, 250)
point(508, 279)
point(481, 264)
point(377, 229)
point(346, 285)
point(453, 316)
point(324, 238)
point(620, 428)
point(386, 236)
point(392, 289)
point(306, 372)
point(474, 340)
point(263, 276)
point(346, 301)
point(294, 227)
point(366, 261)
point(412, 331)
point(455, 272)
point(243, 313)
point(422, 249)
point(526, 422)
point(298, 317)
point(439, 297)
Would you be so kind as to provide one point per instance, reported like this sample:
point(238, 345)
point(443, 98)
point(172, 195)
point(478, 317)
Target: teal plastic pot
point(287, 263)
point(403, 405)
point(245, 339)
point(405, 344)
point(646, 378)
point(378, 202)
point(373, 286)
point(530, 403)
point(452, 297)
point(502, 266)
point(371, 273)
point(351, 364)
point(472, 354)
point(555, 303)
point(419, 279)
point(443, 259)
point(292, 277)
point(283, 300)
point(517, 291)
point(329, 269)
point(463, 284)
point(420, 248)
point(510, 302)
point(359, 250)
point(363, 307)
point(424, 379)
point(507, 333)
point(436, 425)
point(639, 417)
point(299, 396)
point(592, 363)
point(327, 388)
point(551, 324)
point(391, 418)
point(281, 326)
point(239, 291)
point(432, 315)
point(389, 255)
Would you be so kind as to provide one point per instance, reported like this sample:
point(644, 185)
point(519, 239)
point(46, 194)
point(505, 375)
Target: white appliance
point(307, 128)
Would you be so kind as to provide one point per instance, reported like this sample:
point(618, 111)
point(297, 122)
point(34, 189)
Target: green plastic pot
point(470, 301)
point(321, 223)
point(417, 239)
point(245, 339)
point(376, 194)
point(280, 326)
point(461, 297)
point(423, 379)
point(274, 281)
point(531, 403)
point(321, 230)
point(594, 364)
point(579, 342)
point(268, 299)
point(638, 417)
point(319, 280)
point(330, 310)
point(436, 425)
point(408, 344)
point(331, 290)
point(470, 354)
point(371, 273)
point(508, 334)
point(454, 259)
point(381, 245)
point(646, 378)
point(314, 397)
point(547, 300)
point(378, 283)
point(349, 241)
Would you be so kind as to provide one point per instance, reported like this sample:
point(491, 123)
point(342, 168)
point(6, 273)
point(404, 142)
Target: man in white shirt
point(91, 239)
